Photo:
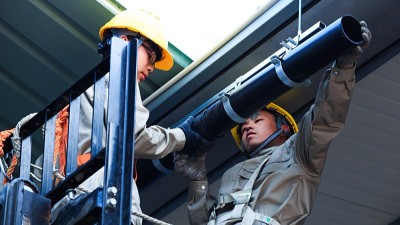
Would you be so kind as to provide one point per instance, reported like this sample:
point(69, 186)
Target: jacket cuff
point(197, 189)
point(343, 74)
point(180, 136)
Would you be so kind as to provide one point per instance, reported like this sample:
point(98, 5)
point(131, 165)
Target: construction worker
point(278, 182)
point(152, 142)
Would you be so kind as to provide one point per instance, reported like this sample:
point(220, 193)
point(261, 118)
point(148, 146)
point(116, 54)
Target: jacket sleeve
point(150, 142)
point(200, 202)
point(325, 119)
point(154, 142)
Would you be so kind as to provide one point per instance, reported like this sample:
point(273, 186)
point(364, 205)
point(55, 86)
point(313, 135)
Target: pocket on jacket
point(275, 166)
point(245, 173)
point(243, 178)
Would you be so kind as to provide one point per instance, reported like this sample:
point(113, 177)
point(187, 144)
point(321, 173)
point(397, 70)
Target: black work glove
point(194, 141)
point(347, 60)
point(191, 167)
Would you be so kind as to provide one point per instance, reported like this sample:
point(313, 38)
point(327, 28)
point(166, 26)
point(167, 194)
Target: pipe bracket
point(281, 73)
point(229, 110)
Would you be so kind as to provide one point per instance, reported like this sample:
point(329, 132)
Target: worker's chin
point(249, 149)
point(139, 79)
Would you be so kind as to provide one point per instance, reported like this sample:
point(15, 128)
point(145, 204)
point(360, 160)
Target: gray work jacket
point(286, 187)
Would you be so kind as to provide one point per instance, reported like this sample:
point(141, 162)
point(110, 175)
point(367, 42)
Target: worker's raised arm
point(327, 116)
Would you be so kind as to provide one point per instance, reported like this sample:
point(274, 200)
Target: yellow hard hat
point(146, 24)
point(272, 108)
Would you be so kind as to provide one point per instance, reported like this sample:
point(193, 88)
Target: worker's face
point(256, 129)
point(146, 60)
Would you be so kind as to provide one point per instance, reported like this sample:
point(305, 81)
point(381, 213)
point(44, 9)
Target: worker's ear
point(124, 37)
point(285, 128)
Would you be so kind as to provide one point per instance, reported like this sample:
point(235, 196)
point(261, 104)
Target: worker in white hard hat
point(278, 182)
point(152, 142)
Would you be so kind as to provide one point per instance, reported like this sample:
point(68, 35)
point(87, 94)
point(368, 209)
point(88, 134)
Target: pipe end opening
point(352, 29)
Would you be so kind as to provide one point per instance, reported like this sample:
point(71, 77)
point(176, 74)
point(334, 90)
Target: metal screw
point(71, 193)
point(111, 203)
point(112, 191)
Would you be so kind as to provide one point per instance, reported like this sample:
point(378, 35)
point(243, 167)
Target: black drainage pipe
point(274, 80)
point(266, 85)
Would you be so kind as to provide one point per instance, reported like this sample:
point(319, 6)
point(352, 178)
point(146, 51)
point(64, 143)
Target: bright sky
point(196, 27)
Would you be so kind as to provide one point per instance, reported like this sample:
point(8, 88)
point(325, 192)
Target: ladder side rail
point(112, 210)
point(128, 148)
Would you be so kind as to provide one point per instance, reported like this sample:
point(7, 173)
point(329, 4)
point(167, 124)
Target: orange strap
point(135, 175)
point(61, 142)
point(82, 159)
point(61, 139)
point(3, 136)
point(14, 163)
point(60, 146)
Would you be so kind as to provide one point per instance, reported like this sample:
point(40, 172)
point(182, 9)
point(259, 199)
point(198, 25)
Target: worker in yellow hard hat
point(152, 142)
point(250, 144)
point(277, 184)
point(146, 26)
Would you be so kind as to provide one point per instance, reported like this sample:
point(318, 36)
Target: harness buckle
point(221, 202)
point(241, 197)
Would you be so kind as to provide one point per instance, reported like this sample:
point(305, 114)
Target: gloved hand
point(191, 167)
point(347, 60)
point(194, 141)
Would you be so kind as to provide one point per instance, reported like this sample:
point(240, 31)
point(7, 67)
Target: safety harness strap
point(240, 199)
point(235, 198)
point(237, 211)
point(250, 216)
point(244, 195)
